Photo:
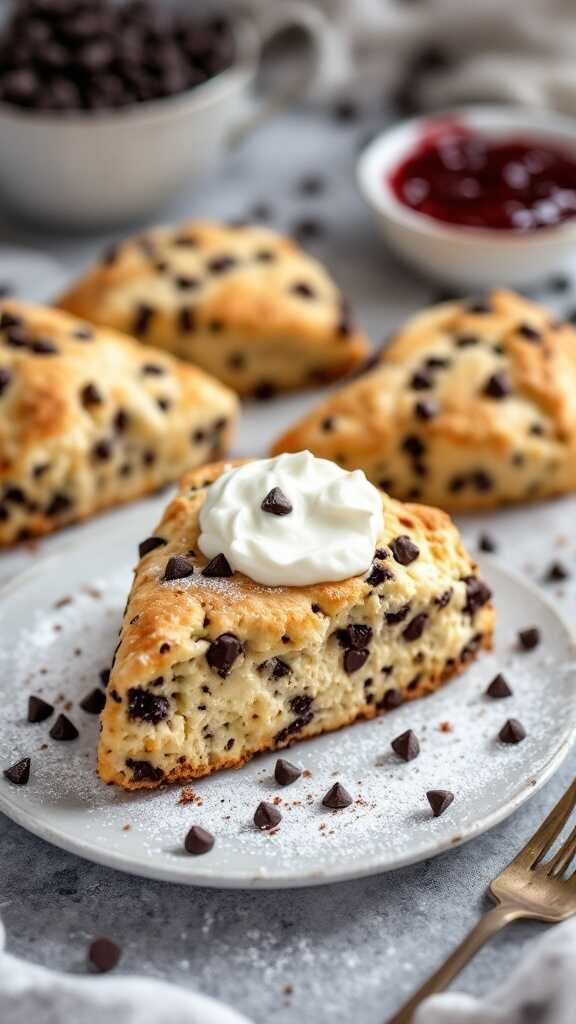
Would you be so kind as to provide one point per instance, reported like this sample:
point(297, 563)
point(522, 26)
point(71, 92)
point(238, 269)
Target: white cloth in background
point(540, 991)
point(517, 51)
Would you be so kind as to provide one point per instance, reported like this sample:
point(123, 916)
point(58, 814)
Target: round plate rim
point(161, 872)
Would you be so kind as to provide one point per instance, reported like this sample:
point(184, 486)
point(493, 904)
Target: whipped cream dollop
point(292, 520)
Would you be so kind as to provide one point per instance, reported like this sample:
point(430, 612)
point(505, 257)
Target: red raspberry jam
point(515, 184)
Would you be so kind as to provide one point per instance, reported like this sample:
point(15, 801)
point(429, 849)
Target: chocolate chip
point(44, 347)
point(264, 256)
point(479, 306)
point(311, 185)
point(439, 800)
point(64, 729)
point(487, 543)
point(307, 229)
point(354, 660)
point(356, 636)
point(221, 264)
point(481, 480)
point(150, 544)
point(264, 391)
point(529, 333)
point(146, 706)
point(39, 710)
point(223, 652)
point(104, 676)
point(346, 110)
point(178, 568)
point(186, 318)
point(115, 696)
point(277, 668)
point(379, 575)
point(421, 380)
point(512, 731)
point(218, 567)
point(15, 495)
point(415, 627)
point(121, 421)
point(466, 341)
point(303, 290)
point(556, 573)
point(102, 450)
point(404, 550)
point(337, 797)
point(104, 955)
point(90, 396)
point(93, 703)
point(83, 333)
point(153, 369)
point(198, 841)
point(18, 774)
point(499, 688)
point(529, 638)
point(5, 378)
point(186, 284)
point(444, 598)
point(142, 319)
point(427, 409)
point(391, 699)
point(477, 594)
point(559, 283)
point(497, 386)
point(276, 503)
point(406, 745)
point(392, 618)
point(266, 816)
point(143, 771)
point(285, 772)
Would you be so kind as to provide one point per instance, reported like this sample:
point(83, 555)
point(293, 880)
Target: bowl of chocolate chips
point(107, 108)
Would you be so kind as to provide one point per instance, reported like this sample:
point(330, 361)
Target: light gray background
point(356, 949)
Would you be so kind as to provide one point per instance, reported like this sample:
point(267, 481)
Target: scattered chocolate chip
point(311, 185)
point(307, 229)
point(439, 800)
point(466, 341)
point(406, 745)
point(444, 598)
point(115, 696)
point(477, 594)
point(479, 306)
point(153, 369)
point(487, 543)
point(218, 567)
point(264, 391)
point(354, 660)
point(178, 568)
point(18, 774)
point(415, 627)
point(285, 772)
point(186, 284)
point(221, 264)
point(44, 347)
point(337, 797)
point(404, 550)
point(94, 702)
point(186, 319)
point(104, 955)
point(497, 386)
point(529, 638)
point(39, 710)
point(356, 636)
point(198, 840)
point(379, 575)
point(145, 706)
point(393, 618)
point(64, 729)
point(529, 333)
point(421, 380)
point(266, 816)
point(346, 110)
point(90, 396)
point(276, 503)
point(223, 652)
point(102, 450)
point(556, 573)
point(5, 378)
point(512, 731)
point(413, 446)
point(559, 283)
point(104, 676)
point(499, 688)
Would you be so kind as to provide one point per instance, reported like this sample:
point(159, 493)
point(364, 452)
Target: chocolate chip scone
point(89, 418)
point(471, 406)
point(244, 303)
point(212, 667)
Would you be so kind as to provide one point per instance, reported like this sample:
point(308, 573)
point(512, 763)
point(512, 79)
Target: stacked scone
point(277, 600)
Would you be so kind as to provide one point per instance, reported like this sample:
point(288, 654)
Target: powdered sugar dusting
point(59, 649)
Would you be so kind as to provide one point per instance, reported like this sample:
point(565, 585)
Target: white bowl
point(467, 257)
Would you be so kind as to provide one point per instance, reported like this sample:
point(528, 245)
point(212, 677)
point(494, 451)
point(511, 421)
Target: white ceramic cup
point(467, 257)
point(95, 170)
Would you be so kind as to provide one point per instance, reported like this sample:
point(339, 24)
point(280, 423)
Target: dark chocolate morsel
point(93, 703)
point(285, 772)
point(406, 745)
point(198, 840)
point(512, 731)
point(178, 568)
point(223, 652)
point(276, 503)
point(404, 550)
point(64, 729)
point(18, 774)
point(439, 800)
point(266, 816)
point(150, 544)
point(218, 567)
point(39, 710)
point(499, 688)
point(104, 955)
point(337, 797)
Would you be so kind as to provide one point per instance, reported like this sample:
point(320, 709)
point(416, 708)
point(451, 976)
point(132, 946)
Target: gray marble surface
point(325, 954)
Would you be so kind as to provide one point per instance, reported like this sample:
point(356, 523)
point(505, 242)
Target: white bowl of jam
point(477, 197)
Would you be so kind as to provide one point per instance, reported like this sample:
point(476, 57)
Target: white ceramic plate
point(58, 625)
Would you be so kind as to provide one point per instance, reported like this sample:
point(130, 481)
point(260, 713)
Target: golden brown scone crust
point(170, 715)
point(496, 424)
point(89, 419)
point(244, 303)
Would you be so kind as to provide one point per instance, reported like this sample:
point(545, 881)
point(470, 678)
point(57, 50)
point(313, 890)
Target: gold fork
point(526, 888)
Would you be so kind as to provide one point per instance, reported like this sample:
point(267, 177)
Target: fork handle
point(487, 926)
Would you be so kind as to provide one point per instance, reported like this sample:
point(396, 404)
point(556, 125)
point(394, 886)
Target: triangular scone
point(209, 671)
point(89, 418)
point(472, 405)
point(244, 303)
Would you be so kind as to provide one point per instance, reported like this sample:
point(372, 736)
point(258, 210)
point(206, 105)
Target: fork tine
point(563, 858)
point(537, 847)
